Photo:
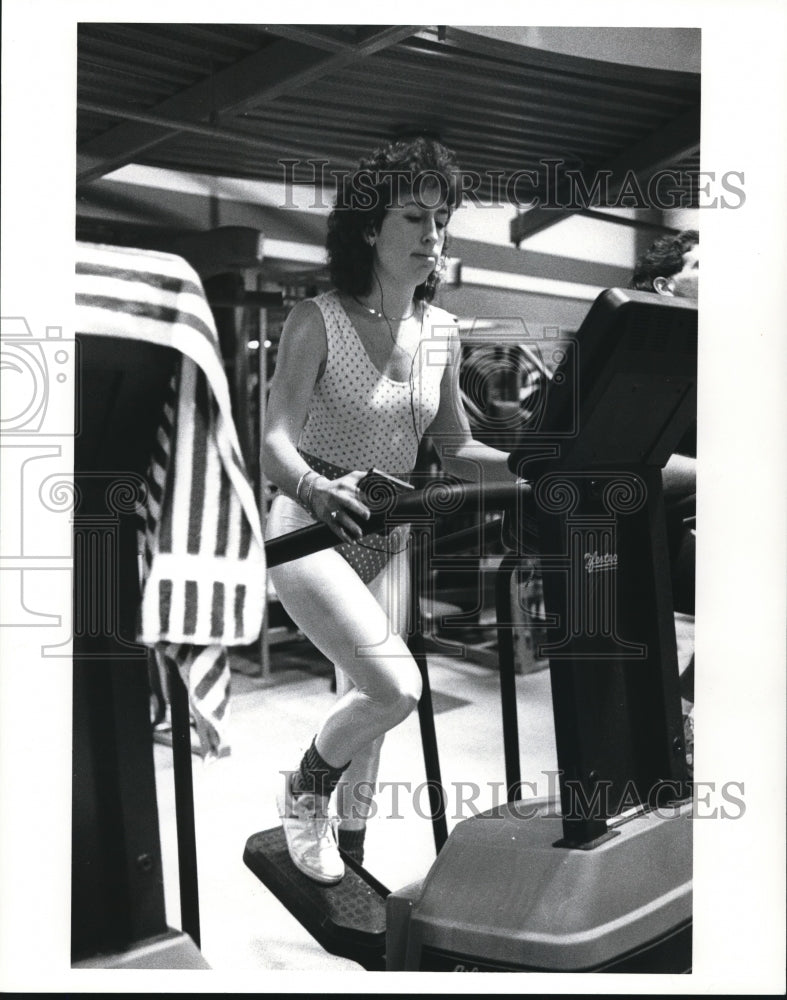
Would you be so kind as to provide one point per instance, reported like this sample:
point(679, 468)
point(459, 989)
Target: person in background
point(670, 266)
point(364, 371)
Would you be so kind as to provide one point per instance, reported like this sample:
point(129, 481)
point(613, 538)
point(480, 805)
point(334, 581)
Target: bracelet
point(300, 485)
point(309, 489)
point(304, 488)
point(307, 500)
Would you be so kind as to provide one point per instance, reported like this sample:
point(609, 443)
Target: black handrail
point(439, 499)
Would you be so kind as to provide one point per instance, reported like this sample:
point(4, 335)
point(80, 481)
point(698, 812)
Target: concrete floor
point(243, 926)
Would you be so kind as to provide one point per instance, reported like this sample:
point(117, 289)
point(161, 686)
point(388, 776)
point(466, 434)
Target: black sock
point(316, 775)
point(351, 843)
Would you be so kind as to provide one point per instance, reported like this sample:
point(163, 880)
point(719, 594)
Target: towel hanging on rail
point(203, 572)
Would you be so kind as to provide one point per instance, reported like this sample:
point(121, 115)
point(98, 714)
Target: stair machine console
point(601, 879)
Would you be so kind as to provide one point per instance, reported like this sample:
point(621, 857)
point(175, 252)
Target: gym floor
point(243, 926)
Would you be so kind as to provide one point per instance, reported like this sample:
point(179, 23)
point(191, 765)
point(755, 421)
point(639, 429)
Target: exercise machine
point(598, 879)
point(118, 917)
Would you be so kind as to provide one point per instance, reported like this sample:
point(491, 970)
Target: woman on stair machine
point(363, 372)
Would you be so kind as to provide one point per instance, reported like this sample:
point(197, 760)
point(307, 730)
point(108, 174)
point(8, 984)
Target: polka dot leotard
point(358, 417)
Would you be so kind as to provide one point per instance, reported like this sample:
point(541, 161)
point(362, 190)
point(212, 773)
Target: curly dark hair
point(663, 258)
point(366, 194)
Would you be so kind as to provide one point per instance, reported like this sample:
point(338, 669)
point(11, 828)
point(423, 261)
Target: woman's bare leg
point(356, 789)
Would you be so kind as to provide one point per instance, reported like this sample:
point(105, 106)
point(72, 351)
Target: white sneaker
point(311, 835)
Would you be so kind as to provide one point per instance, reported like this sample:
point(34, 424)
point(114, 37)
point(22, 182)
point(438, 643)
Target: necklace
point(381, 315)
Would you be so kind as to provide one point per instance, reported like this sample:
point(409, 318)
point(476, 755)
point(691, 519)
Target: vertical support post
point(184, 805)
point(437, 796)
point(262, 376)
point(506, 666)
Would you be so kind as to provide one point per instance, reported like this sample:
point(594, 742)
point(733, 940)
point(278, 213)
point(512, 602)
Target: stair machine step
point(347, 919)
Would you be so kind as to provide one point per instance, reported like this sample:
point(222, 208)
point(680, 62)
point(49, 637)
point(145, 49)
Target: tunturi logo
point(594, 563)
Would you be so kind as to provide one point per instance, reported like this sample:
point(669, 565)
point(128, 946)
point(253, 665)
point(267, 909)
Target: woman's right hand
point(338, 503)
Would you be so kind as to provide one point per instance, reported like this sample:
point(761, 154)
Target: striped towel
point(203, 578)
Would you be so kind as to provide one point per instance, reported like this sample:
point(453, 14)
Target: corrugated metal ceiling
point(235, 100)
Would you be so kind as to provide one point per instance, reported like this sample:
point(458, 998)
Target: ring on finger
point(334, 514)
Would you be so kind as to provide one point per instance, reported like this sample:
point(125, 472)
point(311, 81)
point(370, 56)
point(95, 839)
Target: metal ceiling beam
point(176, 125)
point(307, 35)
point(663, 148)
point(277, 69)
point(622, 220)
point(310, 35)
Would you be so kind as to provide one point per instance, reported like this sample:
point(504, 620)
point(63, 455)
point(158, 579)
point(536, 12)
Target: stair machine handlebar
point(420, 506)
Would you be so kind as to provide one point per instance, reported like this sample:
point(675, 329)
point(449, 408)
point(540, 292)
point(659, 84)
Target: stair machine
point(118, 917)
point(118, 914)
point(598, 879)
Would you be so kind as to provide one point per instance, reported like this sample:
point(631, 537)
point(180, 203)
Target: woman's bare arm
point(303, 352)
